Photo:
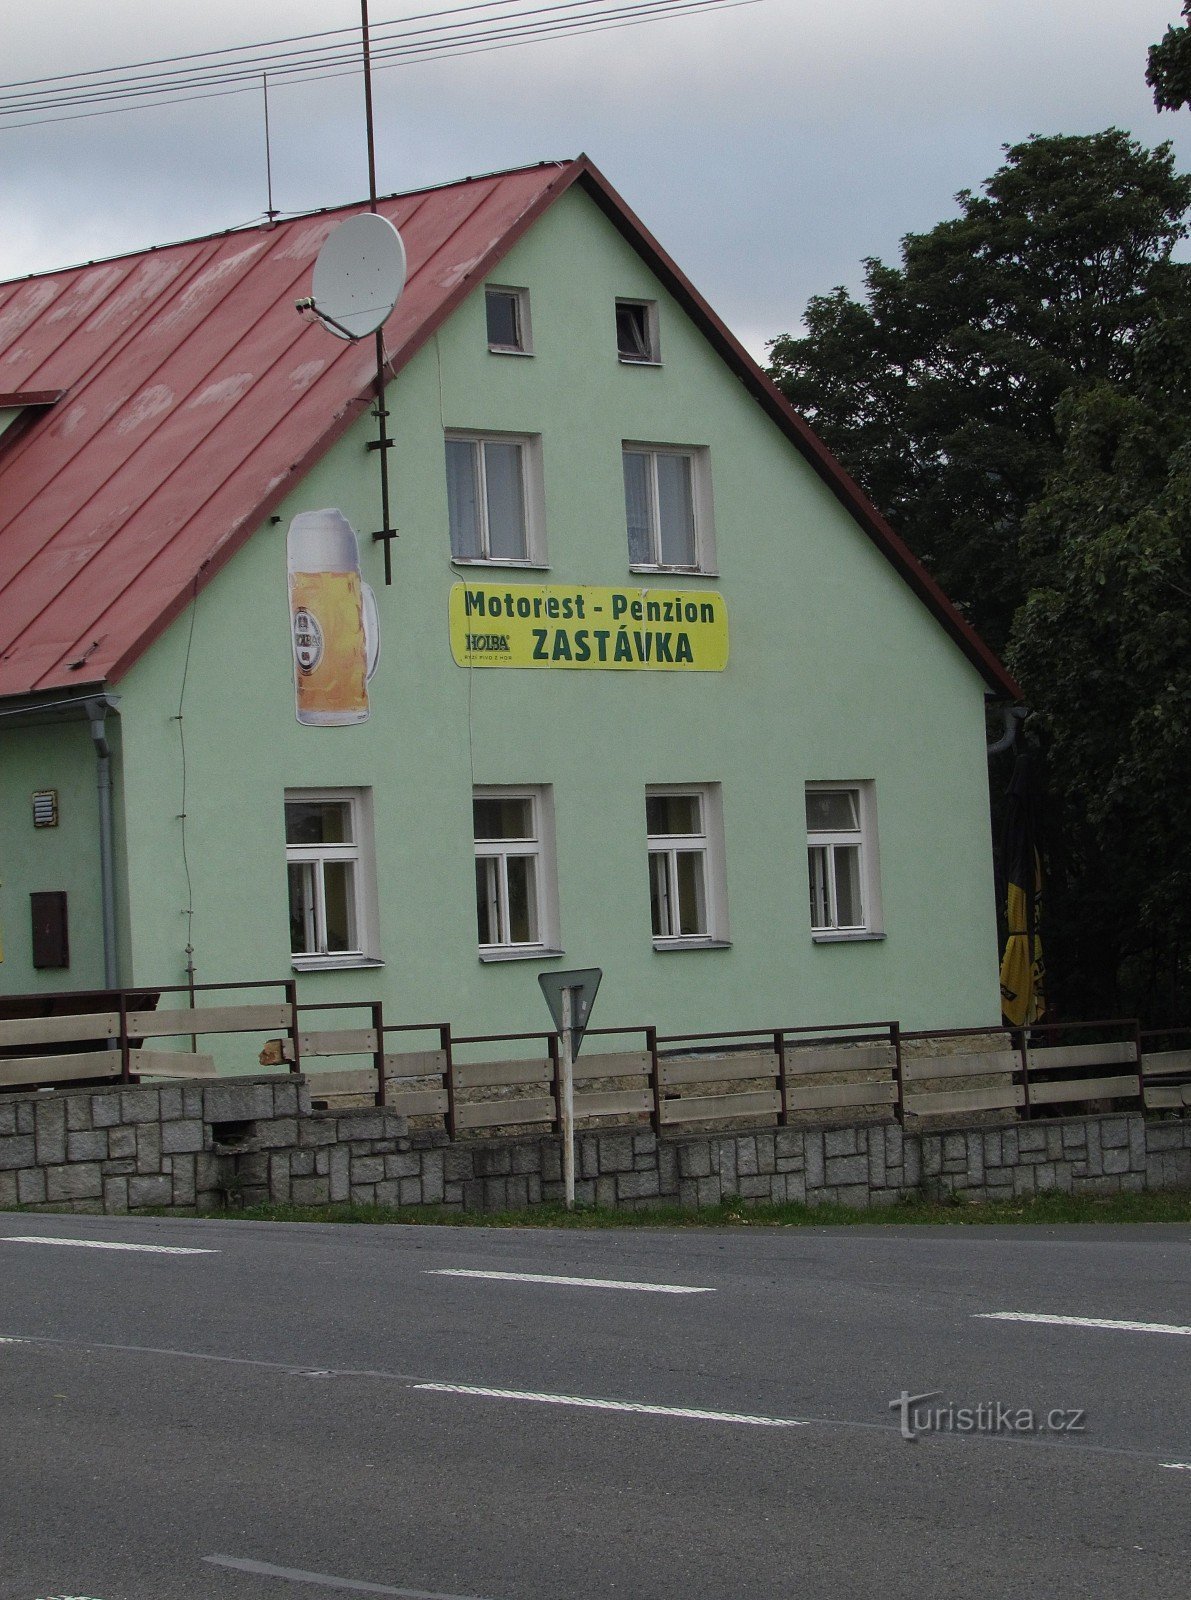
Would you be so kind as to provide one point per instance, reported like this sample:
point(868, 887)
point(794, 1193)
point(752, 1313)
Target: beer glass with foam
point(333, 620)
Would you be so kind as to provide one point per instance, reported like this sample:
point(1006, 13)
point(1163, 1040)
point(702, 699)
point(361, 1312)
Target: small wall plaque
point(45, 808)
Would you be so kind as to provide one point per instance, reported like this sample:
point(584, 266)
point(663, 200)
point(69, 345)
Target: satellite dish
point(358, 277)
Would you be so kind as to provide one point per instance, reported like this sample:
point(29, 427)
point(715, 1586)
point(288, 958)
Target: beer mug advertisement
point(333, 620)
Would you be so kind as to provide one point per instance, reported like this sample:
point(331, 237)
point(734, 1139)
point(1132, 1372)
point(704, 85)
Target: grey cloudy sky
point(769, 147)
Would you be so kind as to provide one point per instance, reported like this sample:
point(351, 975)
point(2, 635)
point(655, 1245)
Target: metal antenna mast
point(383, 443)
point(270, 211)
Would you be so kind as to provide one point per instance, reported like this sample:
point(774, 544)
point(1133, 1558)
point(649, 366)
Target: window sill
point(683, 572)
point(664, 946)
point(846, 936)
point(333, 963)
point(507, 561)
point(507, 350)
point(533, 953)
point(636, 361)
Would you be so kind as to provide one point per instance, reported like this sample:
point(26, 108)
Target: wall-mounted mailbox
point(51, 943)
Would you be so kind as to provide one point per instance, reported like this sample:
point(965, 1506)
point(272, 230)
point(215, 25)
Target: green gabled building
point(653, 687)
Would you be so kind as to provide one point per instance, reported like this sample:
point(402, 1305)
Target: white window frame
point(542, 848)
point(709, 843)
point(701, 502)
point(532, 498)
point(524, 326)
point(863, 839)
point(361, 853)
point(653, 357)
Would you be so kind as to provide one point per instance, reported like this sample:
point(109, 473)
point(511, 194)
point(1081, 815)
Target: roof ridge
point(262, 224)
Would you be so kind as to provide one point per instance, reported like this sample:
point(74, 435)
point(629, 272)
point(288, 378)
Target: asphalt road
point(303, 1412)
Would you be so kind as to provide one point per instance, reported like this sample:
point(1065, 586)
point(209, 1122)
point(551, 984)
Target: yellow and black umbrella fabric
point(1023, 997)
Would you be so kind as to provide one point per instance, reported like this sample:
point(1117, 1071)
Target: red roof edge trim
point(242, 230)
point(30, 397)
point(763, 390)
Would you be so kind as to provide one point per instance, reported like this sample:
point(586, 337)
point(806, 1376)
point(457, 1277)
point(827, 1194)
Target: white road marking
point(1083, 1322)
point(1176, 1466)
point(265, 1569)
point(630, 1406)
point(414, 1382)
point(105, 1244)
point(578, 1283)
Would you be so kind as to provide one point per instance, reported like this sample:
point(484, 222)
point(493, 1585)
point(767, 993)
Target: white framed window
point(667, 502)
point(507, 314)
point(516, 888)
point(842, 862)
point(687, 884)
point(494, 498)
point(637, 332)
point(330, 863)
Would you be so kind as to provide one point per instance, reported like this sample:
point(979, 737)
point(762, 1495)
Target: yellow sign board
point(581, 625)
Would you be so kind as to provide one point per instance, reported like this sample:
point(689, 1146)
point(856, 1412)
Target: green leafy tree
point(938, 390)
point(1169, 70)
point(1103, 651)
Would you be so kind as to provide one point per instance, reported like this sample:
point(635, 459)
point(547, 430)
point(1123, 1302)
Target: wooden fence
point(475, 1084)
point(113, 1025)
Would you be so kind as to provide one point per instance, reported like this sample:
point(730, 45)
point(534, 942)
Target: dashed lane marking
point(105, 1244)
point(630, 1406)
point(265, 1569)
point(414, 1382)
point(577, 1283)
point(1113, 1325)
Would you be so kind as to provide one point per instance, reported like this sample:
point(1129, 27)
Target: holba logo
point(308, 640)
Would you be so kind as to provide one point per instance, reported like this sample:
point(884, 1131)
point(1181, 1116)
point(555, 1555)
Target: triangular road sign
point(583, 983)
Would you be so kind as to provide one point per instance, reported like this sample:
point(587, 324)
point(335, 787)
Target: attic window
point(508, 321)
point(637, 332)
point(19, 408)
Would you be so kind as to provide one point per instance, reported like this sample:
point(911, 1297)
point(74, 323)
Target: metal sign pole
point(567, 1068)
point(570, 996)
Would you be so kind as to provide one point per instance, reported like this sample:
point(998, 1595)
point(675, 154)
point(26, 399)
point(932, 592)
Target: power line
point(411, 40)
point(221, 61)
point(268, 44)
point(399, 44)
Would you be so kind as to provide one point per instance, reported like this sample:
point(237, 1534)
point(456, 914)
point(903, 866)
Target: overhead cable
point(400, 46)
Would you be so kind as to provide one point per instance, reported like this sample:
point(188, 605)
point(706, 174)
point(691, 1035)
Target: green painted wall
point(836, 672)
point(58, 756)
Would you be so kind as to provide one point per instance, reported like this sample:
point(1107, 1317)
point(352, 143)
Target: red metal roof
point(180, 397)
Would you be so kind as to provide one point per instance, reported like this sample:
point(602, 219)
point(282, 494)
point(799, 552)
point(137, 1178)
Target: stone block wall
point(201, 1147)
point(204, 1146)
point(861, 1165)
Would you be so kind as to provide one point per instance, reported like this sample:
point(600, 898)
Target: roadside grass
point(1164, 1205)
